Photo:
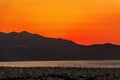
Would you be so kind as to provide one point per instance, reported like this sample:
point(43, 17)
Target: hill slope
point(25, 46)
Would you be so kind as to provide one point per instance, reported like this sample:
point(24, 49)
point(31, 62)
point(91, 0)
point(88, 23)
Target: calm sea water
point(81, 63)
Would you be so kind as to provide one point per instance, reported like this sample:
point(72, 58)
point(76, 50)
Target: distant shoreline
point(61, 60)
point(74, 63)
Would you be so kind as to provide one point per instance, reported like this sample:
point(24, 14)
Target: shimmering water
point(80, 63)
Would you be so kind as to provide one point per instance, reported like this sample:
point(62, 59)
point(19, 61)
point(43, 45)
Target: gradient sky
point(82, 21)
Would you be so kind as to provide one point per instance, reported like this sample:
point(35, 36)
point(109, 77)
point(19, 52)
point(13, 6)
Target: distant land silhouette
point(25, 46)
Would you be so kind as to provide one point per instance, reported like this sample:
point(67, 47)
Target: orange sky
point(83, 21)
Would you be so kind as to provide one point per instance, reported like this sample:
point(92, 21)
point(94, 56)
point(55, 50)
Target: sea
point(78, 63)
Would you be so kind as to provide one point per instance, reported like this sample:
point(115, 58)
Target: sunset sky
point(82, 21)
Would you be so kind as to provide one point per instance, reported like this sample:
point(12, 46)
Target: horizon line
point(92, 44)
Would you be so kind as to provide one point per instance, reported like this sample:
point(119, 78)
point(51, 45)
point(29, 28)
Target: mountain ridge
point(25, 46)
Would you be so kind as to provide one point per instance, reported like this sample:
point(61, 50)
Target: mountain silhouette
point(25, 46)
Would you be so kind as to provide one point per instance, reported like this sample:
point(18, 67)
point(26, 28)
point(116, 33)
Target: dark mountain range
point(25, 46)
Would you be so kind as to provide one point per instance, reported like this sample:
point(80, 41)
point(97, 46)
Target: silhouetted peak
point(24, 32)
point(12, 33)
point(109, 44)
point(105, 45)
point(59, 38)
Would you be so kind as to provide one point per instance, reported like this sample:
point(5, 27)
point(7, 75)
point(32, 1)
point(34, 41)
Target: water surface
point(80, 63)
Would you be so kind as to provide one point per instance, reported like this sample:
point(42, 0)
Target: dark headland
point(25, 46)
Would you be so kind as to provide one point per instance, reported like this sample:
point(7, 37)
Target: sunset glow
point(82, 21)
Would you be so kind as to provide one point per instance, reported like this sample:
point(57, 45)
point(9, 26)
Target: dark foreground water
point(81, 63)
